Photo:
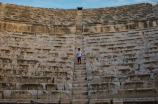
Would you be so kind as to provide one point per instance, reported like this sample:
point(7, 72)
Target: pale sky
point(72, 4)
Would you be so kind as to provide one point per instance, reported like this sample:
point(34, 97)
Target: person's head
point(78, 49)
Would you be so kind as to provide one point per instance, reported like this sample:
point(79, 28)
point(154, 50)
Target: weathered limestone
point(36, 66)
point(119, 55)
point(120, 63)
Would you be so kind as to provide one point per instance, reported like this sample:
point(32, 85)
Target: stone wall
point(36, 28)
point(63, 21)
point(118, 27)
point(122, 14)
point(43, 16)
point(67, 17)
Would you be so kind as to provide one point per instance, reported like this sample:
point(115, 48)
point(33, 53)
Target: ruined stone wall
point(118, 27)
point(42, 16)
point(63, 21)
point(110, 15)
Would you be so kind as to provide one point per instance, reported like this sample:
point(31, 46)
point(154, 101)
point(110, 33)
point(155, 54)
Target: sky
point(72, 4)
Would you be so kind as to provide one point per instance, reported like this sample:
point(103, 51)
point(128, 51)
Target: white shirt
point(79, 54)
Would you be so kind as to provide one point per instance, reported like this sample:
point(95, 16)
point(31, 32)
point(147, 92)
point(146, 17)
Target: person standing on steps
point(79, 55)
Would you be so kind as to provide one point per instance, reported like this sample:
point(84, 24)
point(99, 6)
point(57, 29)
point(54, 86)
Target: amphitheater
point(119, 55)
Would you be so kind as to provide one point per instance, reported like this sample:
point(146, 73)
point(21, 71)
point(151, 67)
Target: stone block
point(7, 94)
point(66, 94)
point(43, 95)
point(55, 94)
point(60, 87)
point(68, 87)
point(51, 86)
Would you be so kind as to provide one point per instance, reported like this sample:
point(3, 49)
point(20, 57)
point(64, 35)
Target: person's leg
point(80, 60)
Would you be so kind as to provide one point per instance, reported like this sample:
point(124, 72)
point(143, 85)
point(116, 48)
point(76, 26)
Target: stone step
point(79, 68)
point(23, 103)
point(79, 65)
point(80, 101)
point(80, 81)
point(78, 73)
point(9, 102)
point(79, 92)
point(80, 88)
point(80, 97)
point(82, 61)
point(82, 58)
point(79, 76)
point(79, 85)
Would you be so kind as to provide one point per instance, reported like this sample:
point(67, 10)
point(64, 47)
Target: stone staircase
point(80, 84)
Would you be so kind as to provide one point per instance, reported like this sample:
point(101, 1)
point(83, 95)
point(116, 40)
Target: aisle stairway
point(80, 84)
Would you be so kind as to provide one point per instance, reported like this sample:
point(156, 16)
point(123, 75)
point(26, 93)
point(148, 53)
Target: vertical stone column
point(79, 23)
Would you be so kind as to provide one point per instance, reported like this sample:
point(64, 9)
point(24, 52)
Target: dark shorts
point(79, 59)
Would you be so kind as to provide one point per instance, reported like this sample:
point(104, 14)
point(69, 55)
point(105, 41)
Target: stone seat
point(80, 96)
point(23, 103)
point(10, 102)
point(76, 88)
point(7, 86)
point(33, 86)
point(6, 58)
point(6, 71)
point(26, 79)
point(36, 94)
point(99, 101)
point(79, 81)
point(80, 101)
point(30, 101)
point(80, 65)
point(80, 85)
point(81, 73)
point(79, 76)
point(79, 68)
point(80, 92)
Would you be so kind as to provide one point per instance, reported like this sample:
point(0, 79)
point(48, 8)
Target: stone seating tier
point(120, 63)
point(38, 64)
